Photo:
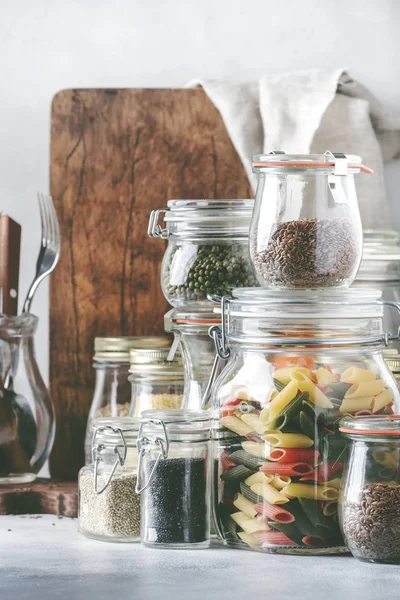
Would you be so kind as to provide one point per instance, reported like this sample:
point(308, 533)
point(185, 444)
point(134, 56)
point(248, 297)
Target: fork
point(50, 246)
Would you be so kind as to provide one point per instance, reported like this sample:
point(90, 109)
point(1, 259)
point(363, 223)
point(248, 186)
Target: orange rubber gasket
point(284, 164)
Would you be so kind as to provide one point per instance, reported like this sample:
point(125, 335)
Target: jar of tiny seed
point(369, 500)
point(157, 383)
point(109, 507)
point(112, 393)
point(174, 478)
point(306, 229)
point(207, 249)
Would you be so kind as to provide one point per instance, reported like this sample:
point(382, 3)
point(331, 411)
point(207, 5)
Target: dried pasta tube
point(274, 512)
point(382, 400)
point(355, 374)
point(365, 388)
point(288, 440)
point(275, 538)
point(280, 481)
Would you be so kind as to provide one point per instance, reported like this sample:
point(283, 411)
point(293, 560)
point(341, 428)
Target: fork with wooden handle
point(50, 246)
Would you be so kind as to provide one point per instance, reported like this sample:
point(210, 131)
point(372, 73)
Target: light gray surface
point(42, 561)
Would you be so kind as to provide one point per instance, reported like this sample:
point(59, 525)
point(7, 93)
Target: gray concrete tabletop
point(45, 558)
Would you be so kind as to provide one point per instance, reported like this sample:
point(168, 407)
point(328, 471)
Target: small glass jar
point(369, 507)
point(191, 329)
point(112, 393)
point(306, 228)
point(157, 383)
point(296, 364)
point(380, 268)
point(27, 422)
point(109, 508)
point(174, 478)
point(207, 249)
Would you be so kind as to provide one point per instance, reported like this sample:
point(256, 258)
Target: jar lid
point(308, 162)
point(210, 212)
point(374, 425)
point(315, 303)
point(155, 360)
point(107, 430)
point(217, 205)
point(118, 348)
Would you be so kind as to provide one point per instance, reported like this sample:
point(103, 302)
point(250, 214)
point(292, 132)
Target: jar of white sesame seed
point(109, 507)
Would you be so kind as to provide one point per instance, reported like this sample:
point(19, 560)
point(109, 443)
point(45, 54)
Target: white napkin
point(312, 111)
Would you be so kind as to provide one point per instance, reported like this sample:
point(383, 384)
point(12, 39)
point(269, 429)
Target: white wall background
point(48, 45)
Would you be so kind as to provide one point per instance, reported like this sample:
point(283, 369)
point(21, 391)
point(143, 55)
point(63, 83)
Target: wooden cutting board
point(115, 156)
point(40, 497)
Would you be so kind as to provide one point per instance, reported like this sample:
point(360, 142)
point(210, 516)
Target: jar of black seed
point(208, 249)
point(306, 229)
point(174, 478)
point(369, 501)
point(109, 507)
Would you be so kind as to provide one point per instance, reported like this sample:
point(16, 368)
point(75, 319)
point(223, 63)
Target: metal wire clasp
point(388, 337)
point(335, 179)
point(97, 449)
point(144, 445)
point(155, 230)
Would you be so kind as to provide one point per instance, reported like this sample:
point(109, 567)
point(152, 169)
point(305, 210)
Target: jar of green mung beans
point(208, 248)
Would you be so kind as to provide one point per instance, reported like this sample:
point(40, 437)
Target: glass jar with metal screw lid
point(157, 383)
point(109, 508)
point(174, 478)
point(112, 393)
point(207, 249)
point(369, 500)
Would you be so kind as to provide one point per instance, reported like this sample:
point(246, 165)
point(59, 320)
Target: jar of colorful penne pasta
point(369, 506)
point(296, 364)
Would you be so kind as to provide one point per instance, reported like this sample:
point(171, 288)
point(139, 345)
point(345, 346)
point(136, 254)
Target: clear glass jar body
point(112, 395)
point(306, 229)
point(27, 422)
point(207, 249)
point(198, 351)
point(380, 268)
point(175, 479)
point(369, 506)
point(109, 508)
point(152, 391)
point(278, 452)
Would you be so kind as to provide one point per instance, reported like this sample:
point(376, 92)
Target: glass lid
point(246, 204)
point(187, 316)
point(374, 425)
point(208, 210)
point(108, 430)
point(177, 421)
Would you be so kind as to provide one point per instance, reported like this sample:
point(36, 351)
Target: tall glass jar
point(380, 268)
point(190, 329)
point(26, 411)
point(207, 249)
point(306, 228)
point(296, 365)
point(370, 490)
point(157, 382)
point(109, 508)
point(174, 478)
point(112, 393)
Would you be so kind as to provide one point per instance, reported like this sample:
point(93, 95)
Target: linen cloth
point(310, 112)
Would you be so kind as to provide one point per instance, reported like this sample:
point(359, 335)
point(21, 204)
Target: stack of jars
point(304, 351)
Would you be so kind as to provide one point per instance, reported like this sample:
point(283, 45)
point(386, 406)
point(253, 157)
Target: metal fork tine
point(42, 215)
point(54, 220)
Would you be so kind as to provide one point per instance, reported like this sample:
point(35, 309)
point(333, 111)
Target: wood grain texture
point(115, 156)
point(41, 497)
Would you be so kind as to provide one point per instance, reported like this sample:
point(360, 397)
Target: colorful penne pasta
point(255, 448)
point(353, 405)
point(316, 396)
point(323, 473)
point(289, 455)
point(269, 493)
point(288, 440)
point(365, 388)
point(274, 512)
point(280, 481)
point(288, 469)
point(355, 375)
point(249, 539)
point(275, 538)
point(325, 376)
point(315, 492)
point(259, 477)
point(382, 400)
point(236, 425)
point(245, 506)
